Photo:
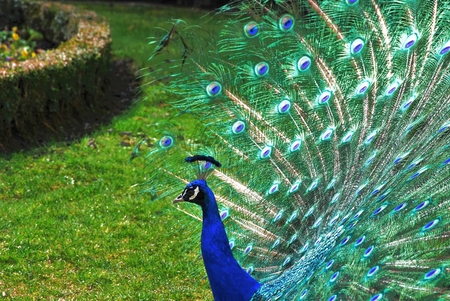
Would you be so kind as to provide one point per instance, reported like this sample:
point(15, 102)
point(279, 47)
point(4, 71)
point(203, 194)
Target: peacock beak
point(178, 199)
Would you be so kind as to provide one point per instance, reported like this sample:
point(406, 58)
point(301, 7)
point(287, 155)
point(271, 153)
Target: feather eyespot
point(251, 29)
point(345, 240)
point(351, 2)
point(273, 188)
point(294, 187)
point(410, 41)
point(368, 251)
point(371, 136)
point(399, 207)
point(360, 240)
point(317, 223)
point(379, 210)
point(278, 216)
point(376, 297)
point(324, 97)
point(356, 46)
point(432, 274)
point(261, 69)
point(445, 48)
point(224, 215)
point(329, 264)
point(238, 127)
point(334, 277)
point(284, 106)
point(347, 136)
point(309, 211)
point(362, 87)
point(430, 225)
point(326, 135)
point(304, 63)
point(286, 23)
point(214, 89)
point(391, 89)
point(294, 237)
point(334, 219)
point(305, 247)
point(373, 271)
point(295, 145)
point(293, 216)
point(408, 102)
point(265, 152)
point(166, 141)
point(335, 198)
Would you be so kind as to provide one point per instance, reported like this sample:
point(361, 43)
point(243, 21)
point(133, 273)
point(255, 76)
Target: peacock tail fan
point(331, 120)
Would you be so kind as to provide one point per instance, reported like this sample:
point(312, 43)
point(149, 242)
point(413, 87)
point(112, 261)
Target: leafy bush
point(15, 48)
point(55, 84)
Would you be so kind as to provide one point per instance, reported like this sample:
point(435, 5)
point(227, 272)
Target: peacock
point(320, 166)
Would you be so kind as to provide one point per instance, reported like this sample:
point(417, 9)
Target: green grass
point(132, 25)
point(71, 223)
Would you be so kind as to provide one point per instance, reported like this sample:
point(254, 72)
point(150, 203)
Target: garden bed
point(50, 88)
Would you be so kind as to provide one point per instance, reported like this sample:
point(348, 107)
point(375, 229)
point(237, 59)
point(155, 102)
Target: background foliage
point(72, 224)
point(46, 89)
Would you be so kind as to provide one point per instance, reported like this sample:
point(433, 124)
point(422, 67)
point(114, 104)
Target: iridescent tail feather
point(331, 119)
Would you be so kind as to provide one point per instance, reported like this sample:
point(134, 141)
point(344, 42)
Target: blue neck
point(229, 282)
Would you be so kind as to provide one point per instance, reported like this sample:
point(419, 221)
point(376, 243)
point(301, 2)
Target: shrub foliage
point(48, 88)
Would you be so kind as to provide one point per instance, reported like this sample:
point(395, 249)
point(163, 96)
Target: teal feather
point(331, 120)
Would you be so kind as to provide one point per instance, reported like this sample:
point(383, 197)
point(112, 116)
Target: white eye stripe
point(196, 191)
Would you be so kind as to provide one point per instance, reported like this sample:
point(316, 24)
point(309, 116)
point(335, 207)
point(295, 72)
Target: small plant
point(13, 47)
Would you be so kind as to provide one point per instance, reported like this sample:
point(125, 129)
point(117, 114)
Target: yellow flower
point(25, 52)
point(15, 36)
point(33, 54)
point(14, 28)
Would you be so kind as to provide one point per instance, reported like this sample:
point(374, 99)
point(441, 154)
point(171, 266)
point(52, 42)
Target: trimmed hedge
point(56, 84)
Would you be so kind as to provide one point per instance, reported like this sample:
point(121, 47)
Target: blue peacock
point(320, 168)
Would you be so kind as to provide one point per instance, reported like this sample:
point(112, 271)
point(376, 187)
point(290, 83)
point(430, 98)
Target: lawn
point(72, 224)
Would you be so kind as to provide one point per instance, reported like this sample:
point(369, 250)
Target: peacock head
point(193, 193)
point(196, 191)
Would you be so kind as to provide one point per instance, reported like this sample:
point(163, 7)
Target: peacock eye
point(283, 106)
point(410, 41)
point(265, 152)
point(304, 63)
point(362, 87)
point(166, 141)
point(261, 69)
point(356, 46)
point(214, 89)
point(445, 48)
point(191, 193)
point(286, 23)
point(324, 97)
point(251, 29)
point(326, 135)
point(432, 274)
point(351, 2)
point(238, 127)
point(295, 145)
point(391, 89)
